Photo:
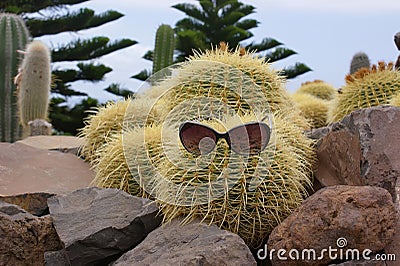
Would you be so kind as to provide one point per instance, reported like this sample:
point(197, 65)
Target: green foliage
point(223, 20)
point(164, 48)
point(14, 36)
point(215, 21)
point(116, 89)
point(67, 120)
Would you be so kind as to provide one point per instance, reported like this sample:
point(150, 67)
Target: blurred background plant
point(52, 17)
point(215, 21)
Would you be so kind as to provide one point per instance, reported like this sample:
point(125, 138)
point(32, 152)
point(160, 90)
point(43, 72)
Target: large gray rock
point(378, 129)
point(25, 169)
point(191, 244)
point(362, 215)
point(24, 237)
point(95, 225)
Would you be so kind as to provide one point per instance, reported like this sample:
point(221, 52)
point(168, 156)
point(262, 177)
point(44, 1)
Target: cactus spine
point(13, 36)
point(358, 61)
point(34, 83)
point(164, 48)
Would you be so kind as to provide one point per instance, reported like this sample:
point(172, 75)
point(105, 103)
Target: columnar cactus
point(164, 48)
point(358, 61)
point(34, 82)
point(13, 36)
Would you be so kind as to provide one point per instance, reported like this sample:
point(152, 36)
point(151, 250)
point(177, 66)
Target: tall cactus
point(164, 48)
point(358, 61)
point(14, 36)
point(34, 83)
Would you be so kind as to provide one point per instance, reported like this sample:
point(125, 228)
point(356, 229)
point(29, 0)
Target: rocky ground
point(49, 214)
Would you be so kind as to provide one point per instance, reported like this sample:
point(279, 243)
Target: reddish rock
point(24, 169)
point(34, 203)
point(339, 157)
point(378, 130)
point(191, 244)
point(68, 144)
point(394, 246)
point(24, 237)
point(362, 215)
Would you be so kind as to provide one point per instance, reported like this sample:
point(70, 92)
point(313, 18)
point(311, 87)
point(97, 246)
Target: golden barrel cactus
point(366, 88)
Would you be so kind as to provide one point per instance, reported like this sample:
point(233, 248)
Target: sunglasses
point(246, 139)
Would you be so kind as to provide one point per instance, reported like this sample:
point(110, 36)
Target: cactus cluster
point(366, 88)
point(219, 88)
point(14, 36)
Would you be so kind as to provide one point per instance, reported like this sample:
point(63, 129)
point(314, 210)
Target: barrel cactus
point(366, 88)
point(319, 89)
point(314, 109)
point(34, 82)
point(395, 101)
point(14, 36)
point(246, 194)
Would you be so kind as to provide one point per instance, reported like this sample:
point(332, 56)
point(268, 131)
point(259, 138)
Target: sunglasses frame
point(225, 135)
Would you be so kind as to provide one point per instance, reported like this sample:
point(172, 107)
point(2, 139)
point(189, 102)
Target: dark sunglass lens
point(197, 139)
point(249, 138)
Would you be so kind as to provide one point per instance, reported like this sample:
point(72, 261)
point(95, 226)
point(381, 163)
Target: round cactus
point(99, 126)
point(319, 89)
point(366, 88)
point(314, 109)
point(395, 101)
point(248, 195)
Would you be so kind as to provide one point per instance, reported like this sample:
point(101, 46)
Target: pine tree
point(213, 21)
point(50, 17)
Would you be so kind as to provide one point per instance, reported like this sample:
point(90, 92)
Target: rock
point(336, 217)
point(67, 144)
point(361, 263)
point(34, 203)
point(394, 246)
point(95, 225)
point(191, 244)
point(24, 237)
point(24, 169)
point(339, 157)
point(56, 258)
point(378, 129)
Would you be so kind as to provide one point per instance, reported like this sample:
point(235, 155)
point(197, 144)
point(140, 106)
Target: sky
point(324, 33)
